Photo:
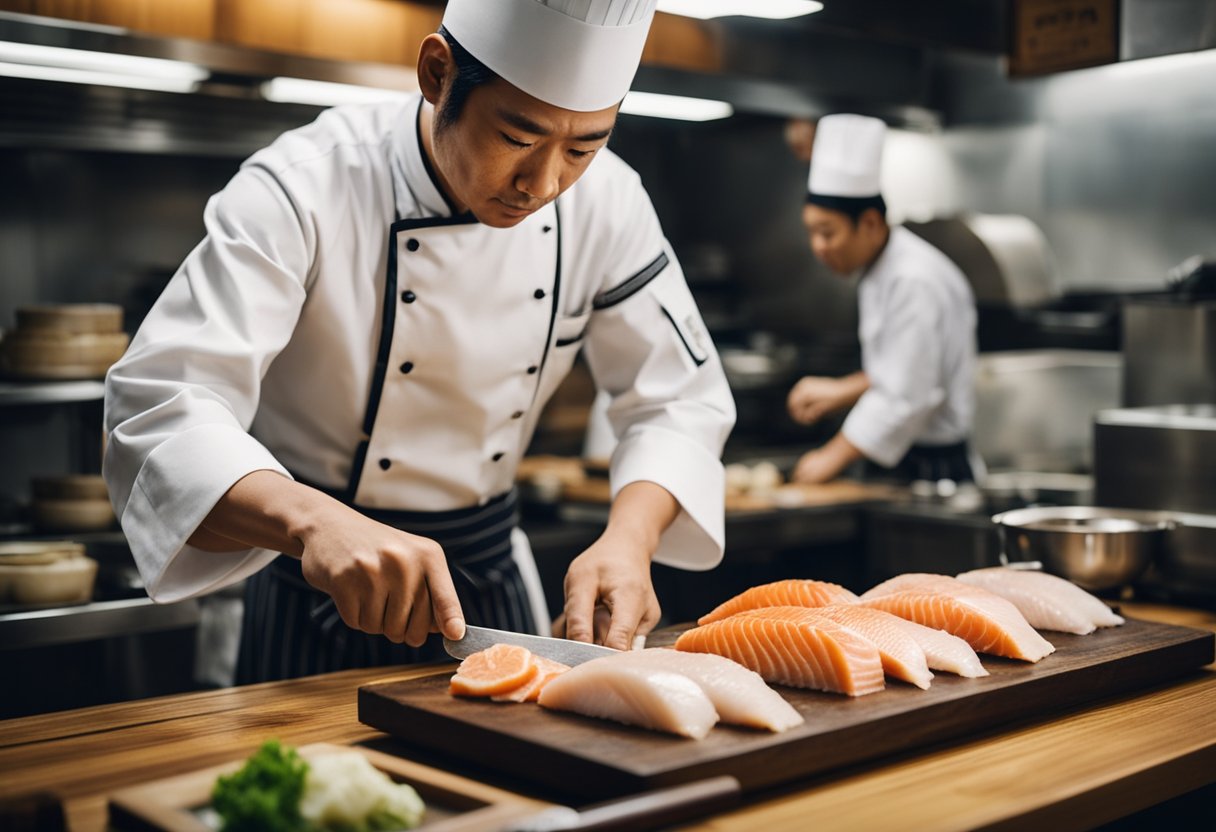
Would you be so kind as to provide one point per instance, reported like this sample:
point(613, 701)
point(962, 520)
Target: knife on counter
point(561, 650)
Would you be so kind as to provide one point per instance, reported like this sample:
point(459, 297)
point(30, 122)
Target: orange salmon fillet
point(496, 669)
point(792, 646)
point(985, 620)
point(789, 593)
point(902, 656)
point(546, 670)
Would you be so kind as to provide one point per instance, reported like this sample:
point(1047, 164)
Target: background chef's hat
point(576, 54)
point(846, 159)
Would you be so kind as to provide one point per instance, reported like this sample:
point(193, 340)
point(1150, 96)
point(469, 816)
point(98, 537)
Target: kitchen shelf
point(97, 620)
point(51, 392)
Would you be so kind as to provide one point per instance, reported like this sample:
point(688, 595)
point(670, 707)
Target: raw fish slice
point(546, 671)
point(740, 696)
point(790, 593)
point(1049, 602)
point(983, 619)
point(632, 694)
point(912, 580)
point(792, 646)
point(901, 654)
point(497, 669)
point(944, 651)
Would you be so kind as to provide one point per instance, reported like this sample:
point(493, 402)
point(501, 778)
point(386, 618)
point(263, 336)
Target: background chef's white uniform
point(298, 337)
point(916, 317)
point(917, 329)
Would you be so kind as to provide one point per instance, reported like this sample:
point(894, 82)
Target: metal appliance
point(1169, 348)
point(1163, 458)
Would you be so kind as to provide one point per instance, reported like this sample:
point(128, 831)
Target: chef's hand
point(382, 580)
point(812, 398)
point(826, 463)
point(614, 573)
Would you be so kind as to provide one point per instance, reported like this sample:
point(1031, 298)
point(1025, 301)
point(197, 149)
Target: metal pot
point(1095, 548)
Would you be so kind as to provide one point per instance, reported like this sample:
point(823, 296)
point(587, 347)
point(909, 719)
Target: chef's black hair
point(851, 206)
point(470, 73)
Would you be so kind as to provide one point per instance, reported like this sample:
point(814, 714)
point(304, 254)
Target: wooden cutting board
point(595, 758)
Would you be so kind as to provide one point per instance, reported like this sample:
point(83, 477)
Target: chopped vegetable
point(277, 791)
point(346, 792)
point(264, 794)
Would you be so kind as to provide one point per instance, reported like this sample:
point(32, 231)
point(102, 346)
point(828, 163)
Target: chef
point(332, 394)
point(912, 403)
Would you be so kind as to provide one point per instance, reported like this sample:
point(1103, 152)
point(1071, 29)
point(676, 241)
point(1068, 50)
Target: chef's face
point(841, 244)
point(508, 154)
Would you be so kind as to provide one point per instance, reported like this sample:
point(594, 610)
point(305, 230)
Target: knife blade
point(561, 650)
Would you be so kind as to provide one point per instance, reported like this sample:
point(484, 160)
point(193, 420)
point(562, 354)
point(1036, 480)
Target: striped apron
point(928, 462)
point(291, 629)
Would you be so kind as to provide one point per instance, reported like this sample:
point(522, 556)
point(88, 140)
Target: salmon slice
point(792, 646)
point(649, 697)
point(1048, 602)
point(789, 593)
point(901, 654)
point(944, 651)
point(738, 694)
point(495, 670)
point(546, 670)
point(983, 619)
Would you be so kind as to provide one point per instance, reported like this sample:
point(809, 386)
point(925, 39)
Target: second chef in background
point(913, 402)
point(383, 303)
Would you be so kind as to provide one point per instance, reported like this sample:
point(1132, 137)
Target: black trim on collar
point(632, 285)
point(426, 162)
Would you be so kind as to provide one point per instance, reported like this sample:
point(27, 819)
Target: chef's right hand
point(814, 397)
point(382, 580)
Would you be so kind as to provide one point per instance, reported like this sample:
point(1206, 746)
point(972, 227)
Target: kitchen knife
point(561, 650)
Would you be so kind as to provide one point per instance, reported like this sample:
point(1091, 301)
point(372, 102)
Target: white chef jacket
point(301, 336)
point(917, 328)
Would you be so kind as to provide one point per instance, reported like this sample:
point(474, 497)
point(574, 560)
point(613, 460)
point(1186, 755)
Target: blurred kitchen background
point(1079, 200)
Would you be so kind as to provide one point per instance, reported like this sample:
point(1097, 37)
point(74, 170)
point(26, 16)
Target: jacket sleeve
point(179, 404)
point(906, 383)
point(669, 405)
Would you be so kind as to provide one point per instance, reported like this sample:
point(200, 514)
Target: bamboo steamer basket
point(65, 581)
point(33, 552)
point(72, 318)
point(71, 487)
point(57, 354)
point(73, 515)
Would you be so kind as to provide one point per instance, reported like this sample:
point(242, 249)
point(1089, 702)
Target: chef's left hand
point(609, 595)
point(613, 575)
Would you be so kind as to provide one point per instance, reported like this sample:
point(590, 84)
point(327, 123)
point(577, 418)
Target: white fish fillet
point(1049, 602)
point(946, 652)
point(632, 694)
point(740, 695)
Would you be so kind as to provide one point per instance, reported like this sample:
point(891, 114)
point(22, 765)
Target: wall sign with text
point(1054, 35)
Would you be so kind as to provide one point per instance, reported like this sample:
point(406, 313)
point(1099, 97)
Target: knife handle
point(660, 807)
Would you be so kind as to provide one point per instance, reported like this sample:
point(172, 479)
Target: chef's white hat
point(846, 158)
point(575, 54)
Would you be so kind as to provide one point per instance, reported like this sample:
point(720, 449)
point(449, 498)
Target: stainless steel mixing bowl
point(1095, 548)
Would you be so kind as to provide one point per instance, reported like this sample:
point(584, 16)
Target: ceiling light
point(770, 9)
point(325, 93)
point(674, 106)
point(80, 66)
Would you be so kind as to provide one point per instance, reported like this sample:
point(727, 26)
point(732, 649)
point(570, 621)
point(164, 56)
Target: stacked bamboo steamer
point(64, 341)
point(72, 503)
point(38, 573)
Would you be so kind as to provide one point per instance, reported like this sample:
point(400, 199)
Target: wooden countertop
point(1069, 772)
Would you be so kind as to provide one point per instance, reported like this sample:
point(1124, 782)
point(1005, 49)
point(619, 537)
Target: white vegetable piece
point(346, 789)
